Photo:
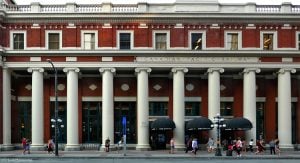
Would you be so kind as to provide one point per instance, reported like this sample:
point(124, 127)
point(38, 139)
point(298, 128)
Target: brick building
point(179, 60)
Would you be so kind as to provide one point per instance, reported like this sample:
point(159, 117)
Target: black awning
point(163, 124)
point(238, 124)
point(199, 123)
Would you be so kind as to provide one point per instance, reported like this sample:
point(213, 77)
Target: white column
point(249, 98)
point(107, 105)
point(142, 108)
point(214, 95)
point(179, 106)
point(6, 109)
point(284, 108)
point(37, 114)
point(72, 109)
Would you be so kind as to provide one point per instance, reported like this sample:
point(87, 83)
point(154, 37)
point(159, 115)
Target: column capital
point(247, 70)
point(139, 69)
point(75, 69)
point(284, 70)
point(176, 69)
point(111, 69)
point(210, 70)
point(31, 69)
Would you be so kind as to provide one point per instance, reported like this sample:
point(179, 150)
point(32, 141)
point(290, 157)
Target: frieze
point(198, 59)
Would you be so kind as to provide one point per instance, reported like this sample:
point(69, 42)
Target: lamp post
point(218, 122)
point(56, 109)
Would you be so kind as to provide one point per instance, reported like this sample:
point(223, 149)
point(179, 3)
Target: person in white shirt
point(195, 146)
point(251, 145)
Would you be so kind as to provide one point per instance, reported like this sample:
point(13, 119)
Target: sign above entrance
point(198, 59)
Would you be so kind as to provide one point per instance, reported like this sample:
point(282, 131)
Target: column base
point(73, 147)
point(142, 147)
point(37, 147)
point(286, 147)
point(7, 147)
point(180, 147)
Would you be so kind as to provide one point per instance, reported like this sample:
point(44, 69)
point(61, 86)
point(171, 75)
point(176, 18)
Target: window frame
point(131, 38)
point(275, 40)
point(83, 32)
point(298, 40)
point(12, 38)
point(59, 32)
point(161, 32)
point(239, 40)
point(203, 39)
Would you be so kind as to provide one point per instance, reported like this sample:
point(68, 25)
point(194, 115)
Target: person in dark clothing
point(272, 146)
point(188, 145)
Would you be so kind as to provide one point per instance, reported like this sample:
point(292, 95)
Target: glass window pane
point(232, 41)
point(89, 41)
point(53, 41)
point(161, 41)
point(268, 41)
point(192, 108)
point(18, 41)
point(226, 108)
point(125, 41)
point(196, 41)
point(158, 108)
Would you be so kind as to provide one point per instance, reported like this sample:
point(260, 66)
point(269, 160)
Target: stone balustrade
point(152, 8)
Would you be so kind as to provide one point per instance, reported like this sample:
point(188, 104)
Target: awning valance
point(199, 123)
point(238, 124)
point(163, 124)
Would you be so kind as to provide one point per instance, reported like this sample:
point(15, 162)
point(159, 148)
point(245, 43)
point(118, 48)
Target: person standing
point(107, 144)
point(251, 145)
point(188, 145)
point(210, 145)
point(24, 145)
point(277, 150)
point(50, 146)
point(195, 146)
point(172, 146)
point(27, 148)
point(272, 146)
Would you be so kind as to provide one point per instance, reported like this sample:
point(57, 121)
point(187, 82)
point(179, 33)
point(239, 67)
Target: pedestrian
point(188, 145)
point(277, 150)
point(272, 146)
point(260, 147)
point(172, 146)
point(120, 144)
point(239, 147)
point(194, 146)
point(210, 145)
point(251, 145)
point(24, 145)
point(27, 148)
point(50, 146)
point(107, 144)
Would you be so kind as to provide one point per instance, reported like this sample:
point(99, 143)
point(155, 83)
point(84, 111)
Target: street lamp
point(218, 122)
point(56, 109)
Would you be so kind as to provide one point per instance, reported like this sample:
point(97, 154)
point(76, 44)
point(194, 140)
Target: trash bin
point(229, 153)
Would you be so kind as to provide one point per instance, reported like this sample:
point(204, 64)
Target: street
point(170, 160)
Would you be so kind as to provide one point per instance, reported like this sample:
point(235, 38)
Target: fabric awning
point(199, 123)
point(163, 124)
point(238, 124)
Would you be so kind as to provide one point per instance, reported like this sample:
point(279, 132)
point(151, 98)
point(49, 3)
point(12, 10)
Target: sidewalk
point(161, 154)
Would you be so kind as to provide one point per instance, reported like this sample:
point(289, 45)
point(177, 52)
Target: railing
point(121, 8)
point(88, 8)
point(53, 8)
point(296, 9)
point(268, 8)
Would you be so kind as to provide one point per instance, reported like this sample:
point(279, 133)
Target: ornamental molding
point(198, 59)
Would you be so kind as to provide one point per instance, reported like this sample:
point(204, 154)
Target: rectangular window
point(298, 41)
point(89, 41)
point(196, 41)
point(226, 108)
point(158, 108)
point(18, 41)
point(53, 40)
point(232, 41)
point(161, 41)
point(192, 108)
point(125, 41)
point(268, 41)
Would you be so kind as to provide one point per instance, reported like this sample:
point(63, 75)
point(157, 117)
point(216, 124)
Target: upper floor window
point(53, 41)
point(18, 41)
point(89, 41)
point(196, 41)
point(268, 41)
point(125, 40)
point(298, 41)
point(160, 41)
point(232, 41)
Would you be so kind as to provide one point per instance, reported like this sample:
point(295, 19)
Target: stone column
point(284, 108)
point(107, 105)
point(179, 106)
point(249, 105)
point(72, 109)
point(7, 110)
point(142, 108)
point(214, 95)
point(37, 114)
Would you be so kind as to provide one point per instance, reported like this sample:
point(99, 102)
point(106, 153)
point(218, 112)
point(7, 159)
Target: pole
point(56, 108)
point(218, 150)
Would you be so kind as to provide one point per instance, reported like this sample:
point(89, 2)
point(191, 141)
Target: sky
point(275, 2)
